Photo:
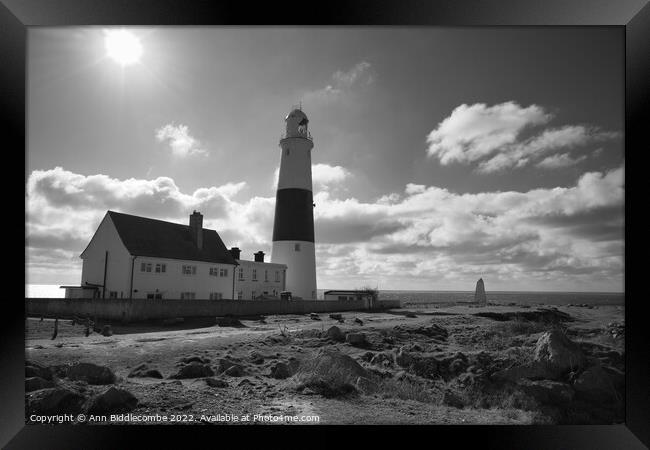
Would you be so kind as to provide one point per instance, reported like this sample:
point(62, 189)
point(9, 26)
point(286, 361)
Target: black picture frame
point(632, 16)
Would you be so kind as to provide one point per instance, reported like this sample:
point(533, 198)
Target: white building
point(257, 279)
point(137, 257)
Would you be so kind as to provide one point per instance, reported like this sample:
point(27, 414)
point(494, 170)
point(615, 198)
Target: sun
point(122, 46)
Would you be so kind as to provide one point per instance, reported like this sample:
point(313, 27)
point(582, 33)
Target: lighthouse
point(293, 226)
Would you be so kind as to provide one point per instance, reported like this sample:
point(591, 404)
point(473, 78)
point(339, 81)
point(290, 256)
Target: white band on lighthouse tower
point(293, 226)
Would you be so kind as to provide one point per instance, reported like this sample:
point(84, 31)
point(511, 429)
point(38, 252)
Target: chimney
point(235, 252)
point(196, 228)
point(259, 256)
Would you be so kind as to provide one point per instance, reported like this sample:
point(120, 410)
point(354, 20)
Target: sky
point(441, 155)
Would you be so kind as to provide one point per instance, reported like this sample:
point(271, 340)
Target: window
point(287, 152)
point(241, 273)
point(156, 296)
point(297, 247)
point(253, 295)
point(213, 271)
point(188, 295)
point(266, 275)
point(254, 274)
point(216, 295)
point(163, 268)
point(112, 294)
point(223, 272)
point(189, 270)
point(277, 276)
point(240, 295)
point(157, 268)
point(145, 267)
point(149, 267)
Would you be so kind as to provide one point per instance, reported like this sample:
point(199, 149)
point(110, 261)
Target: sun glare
point(122, 46)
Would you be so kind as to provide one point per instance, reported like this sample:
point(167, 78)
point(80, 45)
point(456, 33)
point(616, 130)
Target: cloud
point(424, 237)
point(181, 143)
point(560, 160)
point(342, 83)
point(506, 136)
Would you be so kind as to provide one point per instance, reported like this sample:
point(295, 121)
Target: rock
point(329, 373)
point(216, 383)
point(336, 316)
point(404, 358)
point(195, 358)
point(335, 334)
point(452, 399)
point(595, 385)
point(193, 370)
point(358, 321)
point(365, 385)
point(533, 371)
point(382, 359)
point(558, 353)
point(356, 339)
point(33, 369)
point(479, 294)
point(314, 316)
point(113, 400)
point(144, 371)
point(91, 373)
point(547, 391)
point(36, 383)
point(410, 315)
point(280, 371)
point(235, 371)
point(224, 364)
point(256, 358)
point(54, 401)
point(107, 331)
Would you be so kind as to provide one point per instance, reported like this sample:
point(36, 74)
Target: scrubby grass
point(405, 389)
point(504, 335)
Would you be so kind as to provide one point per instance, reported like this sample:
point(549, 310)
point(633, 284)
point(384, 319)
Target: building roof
point(159, 239)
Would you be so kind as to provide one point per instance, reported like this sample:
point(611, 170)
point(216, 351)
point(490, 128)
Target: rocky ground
point(437, 365)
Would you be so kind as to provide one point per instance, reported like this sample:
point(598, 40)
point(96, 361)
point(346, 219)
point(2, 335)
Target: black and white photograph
point(343, 225)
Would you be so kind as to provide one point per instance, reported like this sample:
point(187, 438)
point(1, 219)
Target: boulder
point(547, 391)
point(193, 370)
point(595, 385)
point(365, 385)
point(195, 358)
point(404, 358)
point(112, 400)
point(479, 294)
point(53, 401)
point(280, 371)
point(329, 373)
point(224, 364)
point(558, 353)
point(91, 373)
point(334, 333)
point(256, 358)
point(36, 383)
point(216, 383)
point(33, 369)
point(356, 339)
point(336, 316)
point(532, 371)
point(382, 359)
point(235, 370)
point(107, 331)
point(144, 371)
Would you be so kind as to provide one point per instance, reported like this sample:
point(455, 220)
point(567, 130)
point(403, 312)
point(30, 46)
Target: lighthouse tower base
point(300, 257)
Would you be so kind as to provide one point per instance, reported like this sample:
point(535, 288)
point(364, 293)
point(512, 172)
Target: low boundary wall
point(132, 310)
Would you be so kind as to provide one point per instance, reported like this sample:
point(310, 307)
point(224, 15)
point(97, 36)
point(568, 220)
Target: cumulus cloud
point(423, 237)
point(507, 135)
point(181, 142)
point(342, 82)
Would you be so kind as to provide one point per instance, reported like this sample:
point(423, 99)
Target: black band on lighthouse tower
point(294, 215)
